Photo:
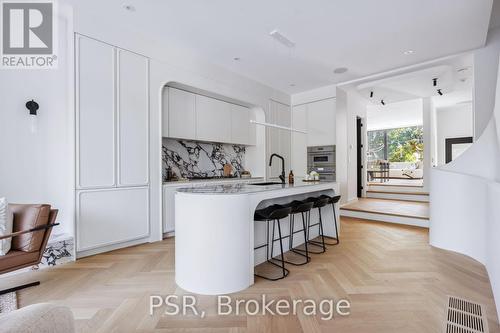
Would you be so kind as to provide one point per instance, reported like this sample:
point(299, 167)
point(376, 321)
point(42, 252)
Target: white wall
point(464, 214)
point(485, 79)
point(38, 167)
point(350, 105)
point(452, 122)
point(342, 144)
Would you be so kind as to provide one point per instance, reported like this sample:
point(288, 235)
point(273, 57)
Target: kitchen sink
point(267, 183)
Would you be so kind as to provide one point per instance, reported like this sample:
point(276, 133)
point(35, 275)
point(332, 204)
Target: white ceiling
point(365, 36)
point(454, 79)
point(395, 115)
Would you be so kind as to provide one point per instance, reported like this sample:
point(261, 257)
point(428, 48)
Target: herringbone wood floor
point(394, 280)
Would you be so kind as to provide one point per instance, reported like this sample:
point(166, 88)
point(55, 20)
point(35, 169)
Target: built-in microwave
point(322, 160)
point(321, 156)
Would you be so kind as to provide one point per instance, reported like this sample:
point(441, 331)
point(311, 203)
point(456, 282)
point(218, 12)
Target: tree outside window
point(396, 145)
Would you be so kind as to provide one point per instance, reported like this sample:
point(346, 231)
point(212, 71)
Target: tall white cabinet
point(112, 162)
point(279, 140)
point(319, 120)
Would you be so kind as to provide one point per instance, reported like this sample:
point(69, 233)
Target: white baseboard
point(107, 248)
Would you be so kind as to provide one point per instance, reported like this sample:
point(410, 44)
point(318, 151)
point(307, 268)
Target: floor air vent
point(465, 317)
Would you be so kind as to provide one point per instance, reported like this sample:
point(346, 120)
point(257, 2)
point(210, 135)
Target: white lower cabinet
point(111, 216)
point(169, 209)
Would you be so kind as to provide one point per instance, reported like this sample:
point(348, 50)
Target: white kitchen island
point(216, 233)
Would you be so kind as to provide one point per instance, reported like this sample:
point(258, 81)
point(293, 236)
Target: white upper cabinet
point(321, 123)
point(181, 114)
point(95, 113)
point(240, 125)
point(133, 119)
point(213, 119)
point(191, 116)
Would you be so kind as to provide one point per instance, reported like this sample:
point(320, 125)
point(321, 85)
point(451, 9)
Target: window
point(403, 144)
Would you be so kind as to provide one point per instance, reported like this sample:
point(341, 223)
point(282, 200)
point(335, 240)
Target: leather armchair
point(31, 231)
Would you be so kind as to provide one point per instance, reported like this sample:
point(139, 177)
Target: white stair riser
point(393, 196)
point(395, 188)
point(386, 218)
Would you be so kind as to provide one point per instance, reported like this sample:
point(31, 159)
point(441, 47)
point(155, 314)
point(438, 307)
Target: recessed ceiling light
point(130, 8)
point(340, 70)
point(408, 52)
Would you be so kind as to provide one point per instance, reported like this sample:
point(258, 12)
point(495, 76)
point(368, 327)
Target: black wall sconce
point(32, 106)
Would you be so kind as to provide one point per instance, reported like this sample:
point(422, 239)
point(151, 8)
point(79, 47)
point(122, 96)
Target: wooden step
point(386, 210)
point(388, 218)
point(385, 213)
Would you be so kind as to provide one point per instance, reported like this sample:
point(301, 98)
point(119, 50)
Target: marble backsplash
point(190, 159)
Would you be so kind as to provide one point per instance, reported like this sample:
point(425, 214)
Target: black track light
point(434, 82)
point(440, 92)
point(371, 94)
point(382, 102)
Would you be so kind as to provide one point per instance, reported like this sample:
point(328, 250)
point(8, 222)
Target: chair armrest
point(22, 232)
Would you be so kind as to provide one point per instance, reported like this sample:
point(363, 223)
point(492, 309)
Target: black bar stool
point(318, 202)
point(332, 201)
point(303, 208)
point(273, 213)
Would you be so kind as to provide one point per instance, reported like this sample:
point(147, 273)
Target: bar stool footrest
point(279, 266)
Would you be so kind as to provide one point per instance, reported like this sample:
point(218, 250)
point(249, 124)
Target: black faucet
point(282, 176)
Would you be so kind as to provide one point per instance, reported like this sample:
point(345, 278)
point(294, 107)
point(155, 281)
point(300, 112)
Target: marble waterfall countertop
point(243, 188)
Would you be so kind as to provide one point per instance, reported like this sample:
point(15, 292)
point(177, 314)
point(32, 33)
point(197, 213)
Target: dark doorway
point(359, 154)
point(455, 146)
